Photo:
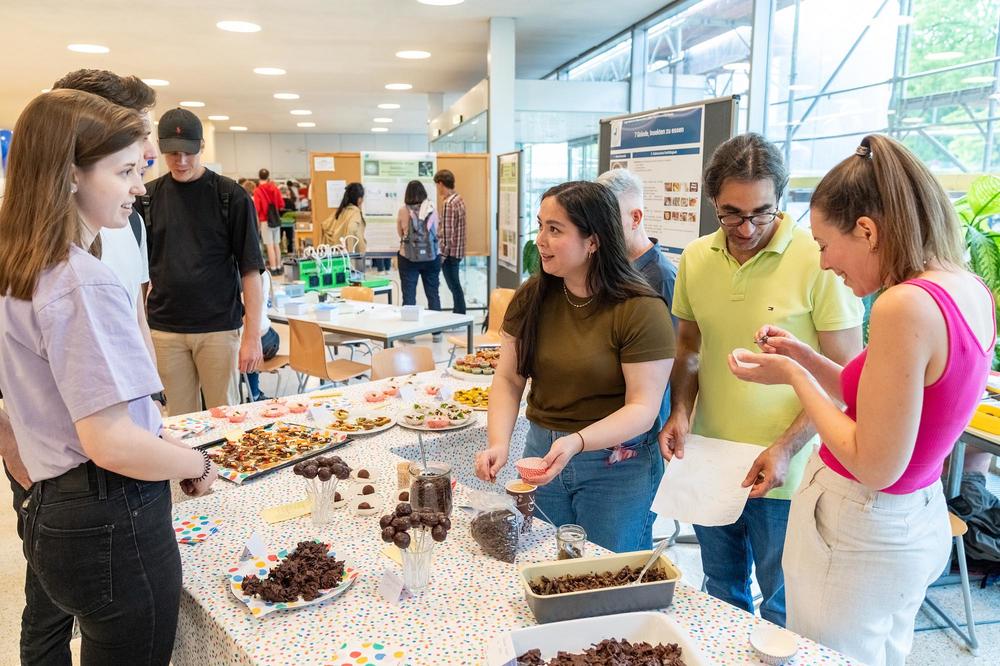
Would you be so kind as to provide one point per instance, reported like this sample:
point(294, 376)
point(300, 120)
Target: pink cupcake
point(219, 412)
point(531, 469)
point(374, 396)
point(297, 407)
point(237, 417)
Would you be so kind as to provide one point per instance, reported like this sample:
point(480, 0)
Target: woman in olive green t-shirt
point(598, 345)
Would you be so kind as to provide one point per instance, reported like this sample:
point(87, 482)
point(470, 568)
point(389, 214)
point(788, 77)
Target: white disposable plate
point(403, 424)
point(469, 377)
point(577, 635)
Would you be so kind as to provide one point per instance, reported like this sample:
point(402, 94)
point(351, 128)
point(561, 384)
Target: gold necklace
point(575, 305)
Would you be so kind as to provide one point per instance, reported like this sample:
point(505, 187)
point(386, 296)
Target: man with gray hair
point(644, 252)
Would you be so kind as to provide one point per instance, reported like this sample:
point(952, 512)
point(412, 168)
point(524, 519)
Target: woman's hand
point(490, 462)
point(774, 340)
point(199, 487)
point(559, 455)
point(766, 368)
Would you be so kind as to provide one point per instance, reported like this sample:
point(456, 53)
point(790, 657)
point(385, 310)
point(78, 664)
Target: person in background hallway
point(268, 202)
point(452, 236)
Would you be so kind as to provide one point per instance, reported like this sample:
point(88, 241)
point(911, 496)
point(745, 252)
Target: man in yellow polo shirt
point(757, 269)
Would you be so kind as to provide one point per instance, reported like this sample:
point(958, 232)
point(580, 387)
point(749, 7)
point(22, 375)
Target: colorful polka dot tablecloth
point(471, 598)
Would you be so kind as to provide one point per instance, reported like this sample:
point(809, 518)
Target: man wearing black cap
point(203, 247)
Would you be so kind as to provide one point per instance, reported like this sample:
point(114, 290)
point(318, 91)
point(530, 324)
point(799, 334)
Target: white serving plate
point(577, 635)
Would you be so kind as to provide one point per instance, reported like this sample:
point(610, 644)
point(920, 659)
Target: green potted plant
point(975, 210)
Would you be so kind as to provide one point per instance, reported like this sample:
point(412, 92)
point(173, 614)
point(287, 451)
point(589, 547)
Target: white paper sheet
point(335, 192)
point(704, 487)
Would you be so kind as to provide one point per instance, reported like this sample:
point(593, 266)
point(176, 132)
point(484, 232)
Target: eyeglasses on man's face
point(734, 220)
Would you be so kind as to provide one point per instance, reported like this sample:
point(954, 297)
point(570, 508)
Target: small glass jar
point(571, 541)
point(431, 488)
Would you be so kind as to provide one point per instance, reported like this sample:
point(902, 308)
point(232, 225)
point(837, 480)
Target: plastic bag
point(496, 526)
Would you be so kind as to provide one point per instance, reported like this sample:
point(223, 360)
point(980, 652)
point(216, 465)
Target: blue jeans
point(758, 537)
point(611, 502)
point(427, 271)
point(269, 343)
point(100, 547)
point(449, 268)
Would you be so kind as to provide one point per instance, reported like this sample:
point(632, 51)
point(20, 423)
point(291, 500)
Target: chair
point(499, 301)
point(958, 529)
point(272, 365)
point(401, 361)
point(308, 356)
point(336, 340)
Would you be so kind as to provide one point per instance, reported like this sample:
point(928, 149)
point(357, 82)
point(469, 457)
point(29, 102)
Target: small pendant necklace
point(575, 305)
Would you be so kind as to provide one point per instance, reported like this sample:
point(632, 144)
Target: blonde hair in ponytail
point(883, 180)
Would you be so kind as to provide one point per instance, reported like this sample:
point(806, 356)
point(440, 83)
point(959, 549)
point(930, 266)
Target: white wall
point(287, 155)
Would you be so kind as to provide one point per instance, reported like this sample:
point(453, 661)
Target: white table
point(471, 599)
point(381, 322)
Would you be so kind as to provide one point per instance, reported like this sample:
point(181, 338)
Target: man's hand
point(251, 353)
point(672, 436)
point(768, 470)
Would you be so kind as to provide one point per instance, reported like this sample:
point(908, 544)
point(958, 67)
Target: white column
point(500, 123)
point(760, 52)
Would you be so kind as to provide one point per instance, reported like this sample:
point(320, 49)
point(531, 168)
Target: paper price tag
point(321, 416)
point(391, 587)
point(500, 651)
point(254, 548)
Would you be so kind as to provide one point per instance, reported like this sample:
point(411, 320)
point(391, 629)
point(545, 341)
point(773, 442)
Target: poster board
point(329, 173)
point(385, 176)
point(510, 223)
point(472, 181)
point(667, 149)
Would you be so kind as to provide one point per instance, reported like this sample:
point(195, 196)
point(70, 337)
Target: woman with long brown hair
point(77, 377)
point(598, 344)
point(868, 528)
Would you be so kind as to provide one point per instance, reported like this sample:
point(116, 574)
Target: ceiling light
point(441, 3)
point(301, 112)
point(237, 128)
point(381, 120)
point(88, 48)
point(380, 129)
point(218, 117)
point(269, 71)
point(193, 104)
point(156, 82)
point(306, 124)
point(978, 79)
point(801, 86)
point(398, 86)
point(737, 66)
point(388, 106)
point(413, 55)
point(943, 55)
point(285, 96)
point(237, 26)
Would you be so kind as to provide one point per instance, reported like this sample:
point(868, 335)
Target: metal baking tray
point(603, 601)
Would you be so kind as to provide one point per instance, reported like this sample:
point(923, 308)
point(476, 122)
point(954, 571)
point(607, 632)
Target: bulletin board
point(346, 167)
point(472, 181)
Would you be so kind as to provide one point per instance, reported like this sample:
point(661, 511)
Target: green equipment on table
point(326, 273)
point(374, 283)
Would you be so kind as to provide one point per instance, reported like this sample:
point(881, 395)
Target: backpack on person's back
point(420, 243)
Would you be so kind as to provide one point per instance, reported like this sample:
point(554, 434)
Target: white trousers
point(857, 563)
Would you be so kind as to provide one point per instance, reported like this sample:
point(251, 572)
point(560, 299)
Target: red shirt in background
point(267, 193)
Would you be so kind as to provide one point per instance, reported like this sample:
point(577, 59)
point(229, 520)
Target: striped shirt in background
point(451, 232)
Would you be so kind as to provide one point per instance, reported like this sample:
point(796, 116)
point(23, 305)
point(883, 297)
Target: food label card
point(391, 587)
point(500, 651)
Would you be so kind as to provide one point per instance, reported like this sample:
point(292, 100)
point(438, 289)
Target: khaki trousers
point(193, 364)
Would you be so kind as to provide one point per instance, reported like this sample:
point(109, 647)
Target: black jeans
point(100, 547)
point(429, 273)
point(449, 267)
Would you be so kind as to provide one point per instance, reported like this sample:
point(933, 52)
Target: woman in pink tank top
point(868, 529)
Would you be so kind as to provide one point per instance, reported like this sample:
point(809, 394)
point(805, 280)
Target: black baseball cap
point(179, 131)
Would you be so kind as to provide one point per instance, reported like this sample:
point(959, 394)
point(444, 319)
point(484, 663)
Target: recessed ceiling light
point(398, 86)
point(380, 129)
point(978, 79)
point(237, 128)
point(285, 96)
point(220, 117)
point(943, 55)
point(301, 112)
point(237, 26)
point(388, 106)
point(737, 66)
point(194, 104)
point(413, 55)
point(381, 120)
point(441, 3)
point(88, 48)
point(158, 83)
point(269, 71)
point(306, 124)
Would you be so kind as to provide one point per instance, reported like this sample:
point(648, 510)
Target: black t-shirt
point(196, 257)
